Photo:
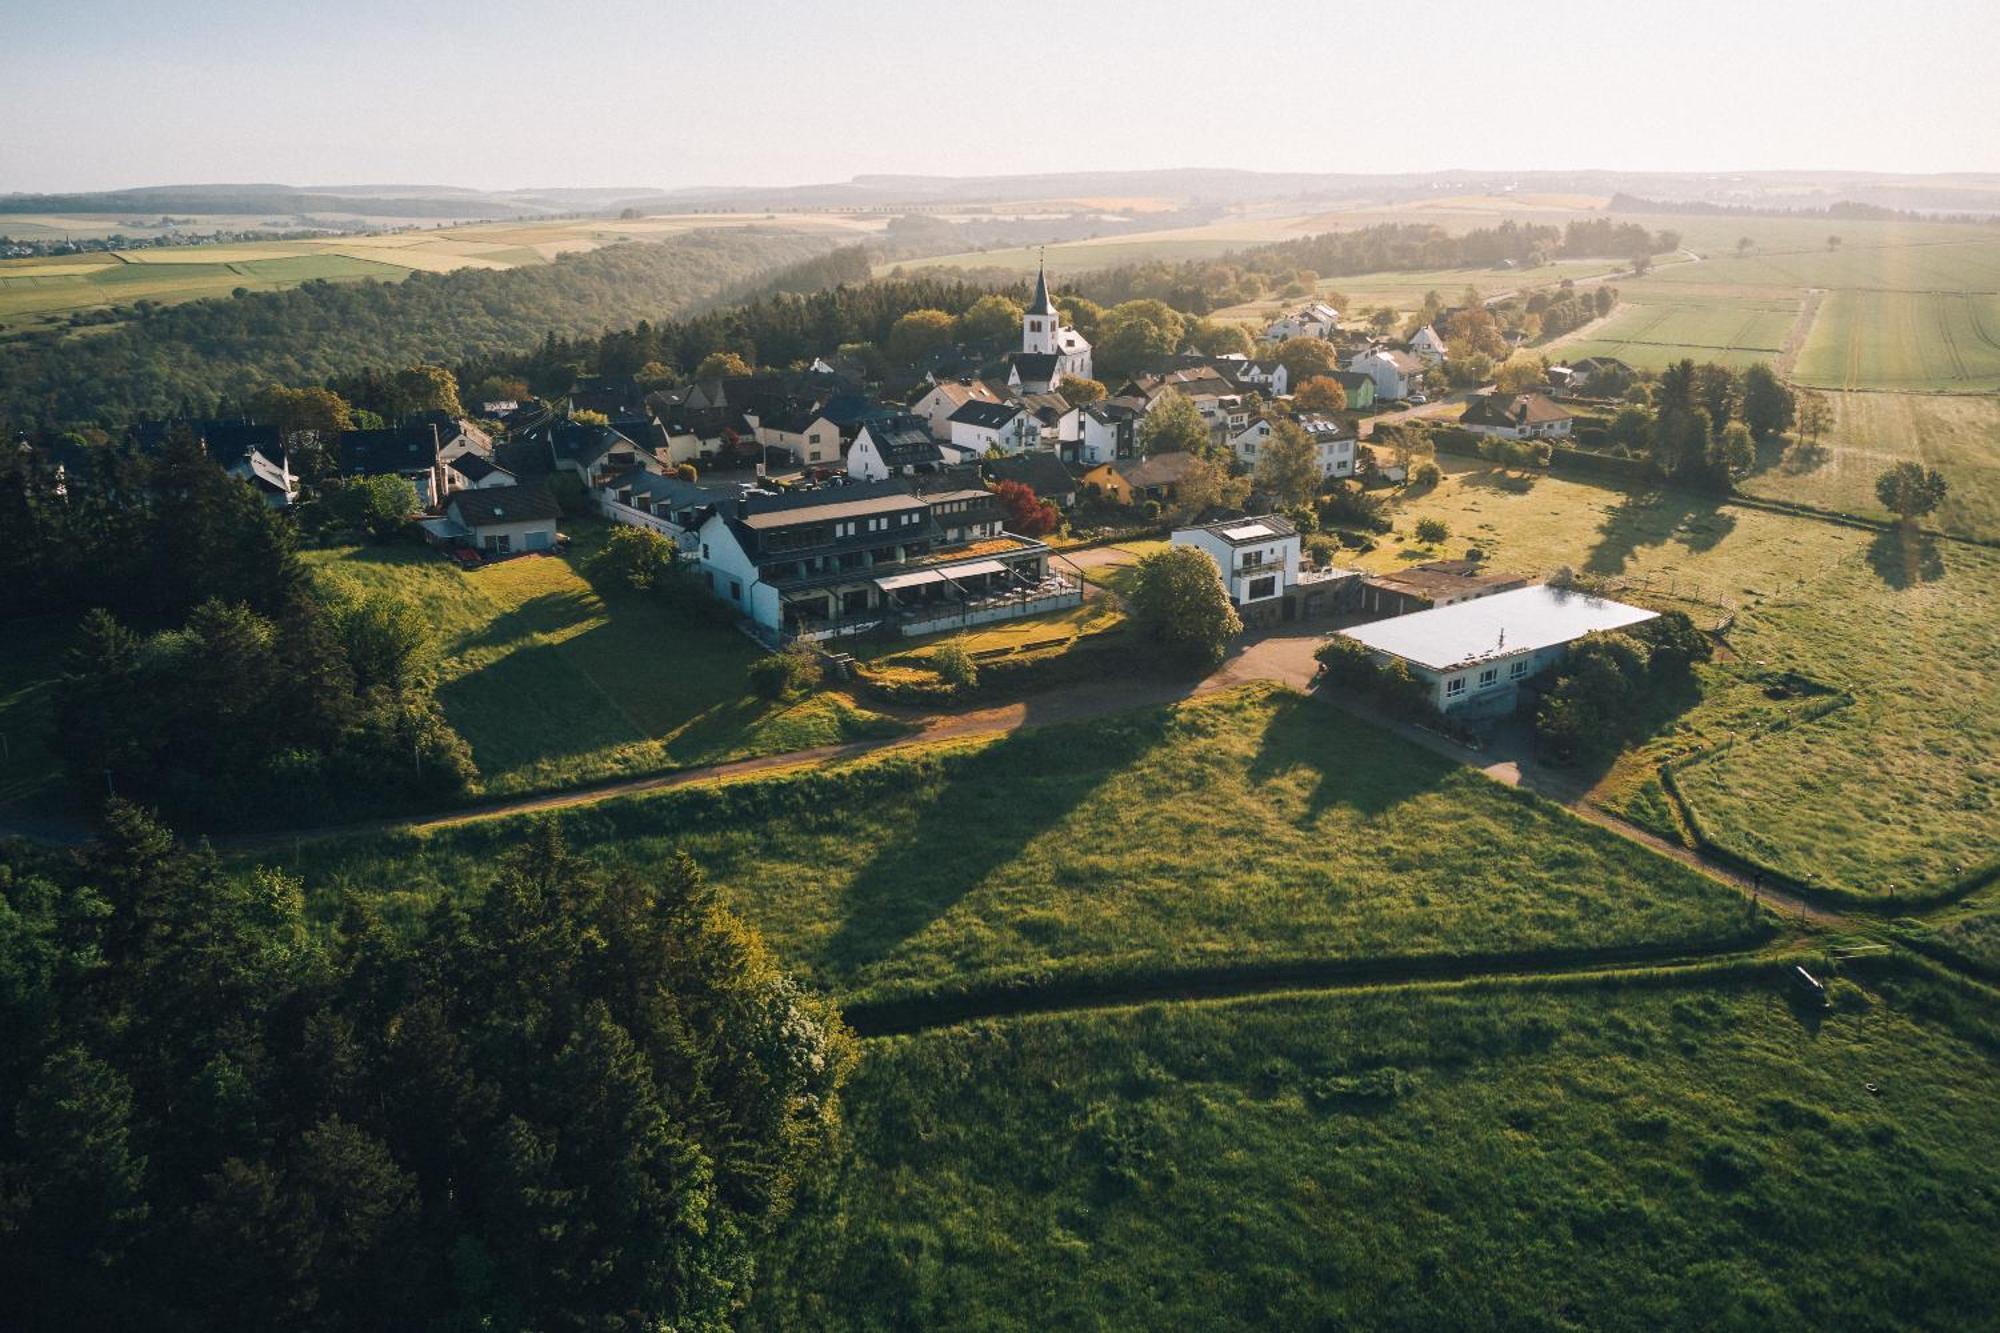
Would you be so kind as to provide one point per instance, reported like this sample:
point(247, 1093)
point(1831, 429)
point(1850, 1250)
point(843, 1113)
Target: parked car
point(1418, 399)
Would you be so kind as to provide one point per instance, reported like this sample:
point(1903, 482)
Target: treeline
point(1845, 210)
point(210, 676)
point(570, 1101)
point(192, 359)
point(1605, 238)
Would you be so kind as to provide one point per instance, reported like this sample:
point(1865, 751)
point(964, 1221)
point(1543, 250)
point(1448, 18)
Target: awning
point(891, 582)
point(972, 567)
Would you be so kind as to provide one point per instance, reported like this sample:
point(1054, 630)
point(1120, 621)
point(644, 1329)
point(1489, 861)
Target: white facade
point(1018, 434)
point(1258, 558)
point(1428, 346)
point(1396, 374)
point(1333, 450)
point(818, 442)
point(732, 576)
point(937, 406)
point(1097, 439)
point(1317, 320)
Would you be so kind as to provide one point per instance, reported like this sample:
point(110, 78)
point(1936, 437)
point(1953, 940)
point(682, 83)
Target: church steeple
point(1042, 305)
point(1039, 322)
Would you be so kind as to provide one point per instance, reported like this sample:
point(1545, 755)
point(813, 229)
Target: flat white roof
point(1497, 626)
point(1248, 532)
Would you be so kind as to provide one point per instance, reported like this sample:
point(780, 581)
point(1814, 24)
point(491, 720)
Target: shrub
point(1352, 666)
point(688, 473)
point(636, 557)
point(1350, 506)
point(954, 666)
point(790, 673)
point(1426, 475)
point(1431, 531)
point(1321, 546)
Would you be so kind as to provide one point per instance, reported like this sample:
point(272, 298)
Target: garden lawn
point(1901, 788)
point(1695, 1154)
point(1248, 828)
point(554, 681)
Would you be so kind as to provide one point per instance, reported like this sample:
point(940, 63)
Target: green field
point(1904, 340)
point(1695, 1153)
point(554, 681)
point(45, 291)
point(1958, 434)
point(1652, 334)
point(1901, 788)
point(1256, 828)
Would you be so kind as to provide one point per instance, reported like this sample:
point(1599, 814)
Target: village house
point(666, 504)
point(1041, 472)
point(869, 557)
point(1131, 481)
point(1435, 583)
point(1271, 378)
point(250, 451)
point(1106, 431)
point(941, 400)
point(1475, 656)
point(503, 520)
point(1333, 443)
point(476, 472)
point(978, 426)
point(411, 455)
point(1426, 344)
point(1359, 388)
point(593, 454)
point(894, 446)
point(1396, 374)
point(1262, 569)
point(1315, 320)
point(805, 434)
point(1525, 416)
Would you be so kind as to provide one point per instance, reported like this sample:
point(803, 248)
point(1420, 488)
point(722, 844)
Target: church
point(1050, 349)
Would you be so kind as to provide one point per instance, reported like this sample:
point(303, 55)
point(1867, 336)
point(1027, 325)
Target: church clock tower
point(1041, 321)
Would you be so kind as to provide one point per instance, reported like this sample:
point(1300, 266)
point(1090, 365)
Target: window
point(1264, 587)
point(1518, 669)
point(735, 591)
point(1490, 676)
point(1456, 685)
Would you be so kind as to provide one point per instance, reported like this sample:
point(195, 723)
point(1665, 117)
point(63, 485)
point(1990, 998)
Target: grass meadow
point(1901, 788)
point(555, 681)
point(1695, 1151)
point(1256, 828)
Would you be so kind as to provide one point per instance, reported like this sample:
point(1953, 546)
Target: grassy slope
point(1585, 1158)
point(1258, 826)
point(1904, 786)
point(554, 682)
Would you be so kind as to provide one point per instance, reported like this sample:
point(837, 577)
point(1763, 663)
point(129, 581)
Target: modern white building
point(978, 426)
point(1396, 374)
point(1258, 557)
point(1475, 655)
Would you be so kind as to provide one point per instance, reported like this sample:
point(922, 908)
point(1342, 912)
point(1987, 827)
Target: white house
point(1428, 346)
point(1257, 557)
point(1269, 377)
point(978, 426)
point(1396, 374)
point(1316, 320)
point(1474, 655)
point(1333, 444)
point(476, 472)
point(505, 519)
point(1106, 433)
point(936, 406)
point(810, 437)
point(898, 446)
point(1044, 334)
point(1525, 416)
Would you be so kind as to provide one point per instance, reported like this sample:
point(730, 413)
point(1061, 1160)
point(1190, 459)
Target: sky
point(96, 94)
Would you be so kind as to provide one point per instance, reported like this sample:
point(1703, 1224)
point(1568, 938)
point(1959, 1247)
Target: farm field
point(1652, 334)
point(1959, 434)
point(553, 681)
point(1250, 829)
point(1693, 1152)
point(1913, 634)
point(45, 290)
point(1904, 340)
point(1405, 291)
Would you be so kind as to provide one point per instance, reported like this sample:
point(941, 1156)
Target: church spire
point(1042, 305)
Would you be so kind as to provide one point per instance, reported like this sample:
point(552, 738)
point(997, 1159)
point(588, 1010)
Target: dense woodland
point(571, 1101)
point(189, 359)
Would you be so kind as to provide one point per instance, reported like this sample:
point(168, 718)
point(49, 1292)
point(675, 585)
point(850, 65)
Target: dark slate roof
point(846, 410)
point(504, 504)
point(1036, 367)
point(979, 412)
point(1042, 473)
point(586, 444)
point(373, 453)
point(1158, 470)
point(904, 441)
point(1525, 409)
point(476, 468)
point(1041, 304)
point(613, 399)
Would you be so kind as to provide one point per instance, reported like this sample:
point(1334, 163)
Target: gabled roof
point(987, 416)
point(476, 468)
point(374, 453)
point(1158, 470)
point(1042, 473)
point(502, 505)
point(1523, 409)
point(586, 444)
point(903, 440)
point(1036, 367)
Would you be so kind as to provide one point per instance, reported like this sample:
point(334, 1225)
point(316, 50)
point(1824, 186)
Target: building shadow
point(1903, 559)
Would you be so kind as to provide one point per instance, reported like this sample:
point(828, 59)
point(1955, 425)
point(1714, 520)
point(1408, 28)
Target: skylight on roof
point(1248, 532)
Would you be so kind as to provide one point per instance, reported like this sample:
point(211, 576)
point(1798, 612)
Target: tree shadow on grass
point(1354, 764)
point(984, 812)
point(1904, 559)
point(548, 613)
point(1654, 518)
point(1500, 479)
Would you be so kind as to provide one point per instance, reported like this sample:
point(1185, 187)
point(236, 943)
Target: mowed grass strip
point(1697, 1155)
point(1254, 827)
point(555, 682)
point(1901, 789)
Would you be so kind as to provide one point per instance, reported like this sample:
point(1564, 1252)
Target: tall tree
point(1910, 491)
point(1179, 602)
point(1768, 405)
point(1320, 393)
point(1288, 466)
point(1173, 425)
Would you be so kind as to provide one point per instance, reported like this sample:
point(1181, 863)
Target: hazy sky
point(497, 93)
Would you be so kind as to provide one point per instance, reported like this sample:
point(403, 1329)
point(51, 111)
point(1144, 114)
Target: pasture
point(1902, 787)
point(555, 681)
point(1689, 1151)
point(1651, 333)
point(1256, 828)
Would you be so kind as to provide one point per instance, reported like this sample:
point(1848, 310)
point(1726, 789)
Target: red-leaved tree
point(1027, 514)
